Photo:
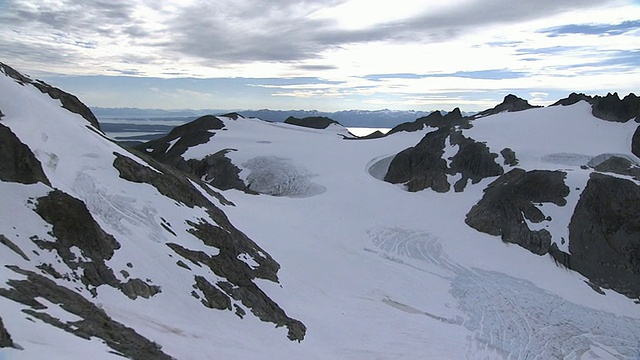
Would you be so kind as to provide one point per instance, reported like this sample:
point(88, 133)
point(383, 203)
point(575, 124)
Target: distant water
point(364, 131)
point(146, 129)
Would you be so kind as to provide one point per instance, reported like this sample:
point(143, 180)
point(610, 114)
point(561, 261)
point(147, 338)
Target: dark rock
point(68, 101)
point(216, 170)
point(509, 157)
point(12, 73)
point(229, 242)
point(604, 234)
point(619, 165)
point(137, 287)
point(314, 122)
point(473, 160)
point(572, 99)
point(374, 135)
point(185, 136)
point(509, 200)
point(635, 142)
point(611, 108)
point(239, 285)
point(435, 120)
point(13, 247)
point(5, 337)
point(17, 162)
point(94, 321)
point(422, 167)
point(511, 103)
point(213, 297)
point(73, 226)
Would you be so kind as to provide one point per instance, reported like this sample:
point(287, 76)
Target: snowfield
point(373, 271)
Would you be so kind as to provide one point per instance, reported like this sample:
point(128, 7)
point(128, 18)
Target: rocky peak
point(612, 108)
point(573, 98)
point(314, 122)
point(69, 101)
point(511, 103)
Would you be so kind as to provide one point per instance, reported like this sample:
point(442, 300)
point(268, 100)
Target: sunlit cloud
point(325, 54)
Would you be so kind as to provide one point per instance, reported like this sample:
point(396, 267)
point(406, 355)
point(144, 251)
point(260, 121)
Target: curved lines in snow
point(510, 317)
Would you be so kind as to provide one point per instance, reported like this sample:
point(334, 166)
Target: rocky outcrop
point(509, 202)
point(619, 165)
point(5, 337)
point(215, 169)
point(635, 142)
point(604, 234)
point(451, 119)
point(94, 323)
point(17, 162)
point(182, 137)
point(474, 161)
point(422, 166)
point(510, 103)
point(314, 122)
point(68, 101)
point(229, 244)
point(509, 157)
point(612, 108)
point(74, 227)
point(573, 98)
point(609, 107)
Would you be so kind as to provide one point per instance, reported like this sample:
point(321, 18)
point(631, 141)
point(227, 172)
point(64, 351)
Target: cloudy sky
point(324, 54)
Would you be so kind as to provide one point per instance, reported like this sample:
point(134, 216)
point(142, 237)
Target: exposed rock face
point(509, 156)
point(95, 322)
point(5, 337)
point(635, 142)
point(314, 122)
point(216, 169)
point(474, 161)
point(604, 234)
point(74, 227)
point(374, 135)
point(231, 245)
point(510, 103)
point(17, 162)
point(422, 166)
point(611, 108)
point(435, 120)
point(184, 137)
point(509, 201)
point(619, 165)
point(13, 247)
point(69, 102)
point(573, 98)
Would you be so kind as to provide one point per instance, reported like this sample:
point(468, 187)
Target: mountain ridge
point(231, 236)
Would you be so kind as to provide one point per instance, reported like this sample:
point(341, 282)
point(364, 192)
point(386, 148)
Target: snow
point(372, 270)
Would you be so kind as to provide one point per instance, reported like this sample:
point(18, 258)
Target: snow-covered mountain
point(234, 237)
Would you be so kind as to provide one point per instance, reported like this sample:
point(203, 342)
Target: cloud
point(593, 29)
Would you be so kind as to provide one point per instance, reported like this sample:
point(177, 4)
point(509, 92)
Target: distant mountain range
point(384, 118)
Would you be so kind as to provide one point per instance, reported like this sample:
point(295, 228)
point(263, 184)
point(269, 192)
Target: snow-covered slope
point(380, 272)
point(106, 253)
point(371, 270)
